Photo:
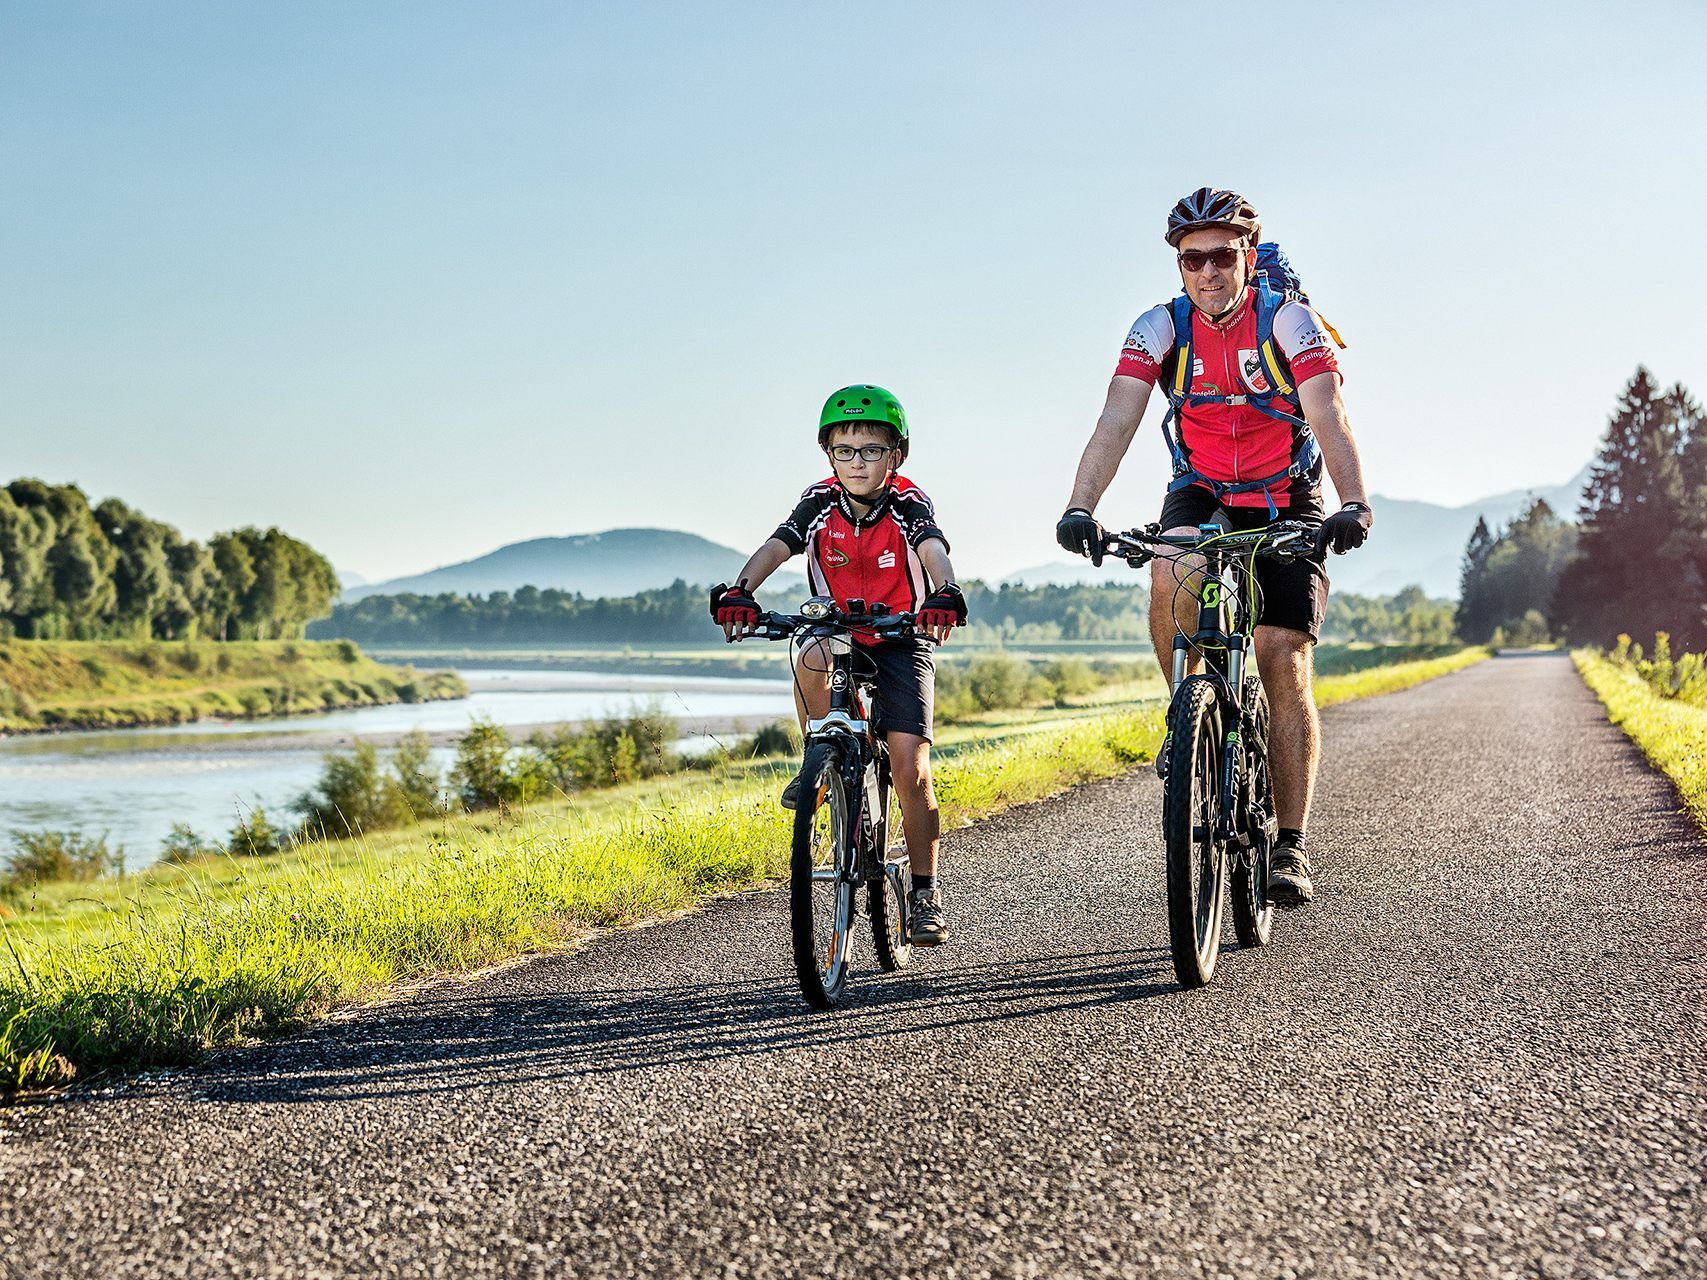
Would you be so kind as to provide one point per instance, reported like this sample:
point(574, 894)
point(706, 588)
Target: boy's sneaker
point(1289, 877)
point(791, 793)
point(929, 924)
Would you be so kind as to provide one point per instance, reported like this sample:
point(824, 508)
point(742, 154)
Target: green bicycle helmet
point(863, 403)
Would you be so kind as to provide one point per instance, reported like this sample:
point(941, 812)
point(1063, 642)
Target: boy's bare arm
point(763, 562)
point(933, 554)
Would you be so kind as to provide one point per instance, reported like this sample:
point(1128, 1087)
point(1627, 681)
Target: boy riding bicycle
point(870, 534)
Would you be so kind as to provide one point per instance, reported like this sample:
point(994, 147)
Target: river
point(134, 784)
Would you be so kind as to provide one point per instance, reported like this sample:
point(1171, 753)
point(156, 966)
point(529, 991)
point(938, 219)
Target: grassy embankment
point(1670, 730)
point(106, 684)
point(157, 967)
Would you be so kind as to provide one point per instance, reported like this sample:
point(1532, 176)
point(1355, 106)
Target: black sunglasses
point(1194, 259)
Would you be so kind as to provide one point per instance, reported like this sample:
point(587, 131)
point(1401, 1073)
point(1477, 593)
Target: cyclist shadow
point(469, 1041)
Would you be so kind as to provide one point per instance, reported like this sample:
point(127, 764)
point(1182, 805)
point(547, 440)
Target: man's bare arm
point(1121, 414)
point(1324, 410)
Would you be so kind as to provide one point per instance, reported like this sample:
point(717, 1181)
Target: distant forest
point(1635, 561)
point(69, 571)
point(677, 614)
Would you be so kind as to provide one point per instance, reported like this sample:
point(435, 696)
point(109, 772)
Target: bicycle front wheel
point(1253, 914)
point(890, 928)
point(821, 890)
point(1191, 807)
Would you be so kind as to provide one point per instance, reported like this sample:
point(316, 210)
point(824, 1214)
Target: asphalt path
point(1482, 1052)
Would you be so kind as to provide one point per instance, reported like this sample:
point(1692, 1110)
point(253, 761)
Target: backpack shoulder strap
point(1179, 378)
point(1269, 301)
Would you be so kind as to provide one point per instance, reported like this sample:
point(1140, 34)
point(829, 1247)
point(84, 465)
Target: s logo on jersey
point(886, 560)
point(1250, 366)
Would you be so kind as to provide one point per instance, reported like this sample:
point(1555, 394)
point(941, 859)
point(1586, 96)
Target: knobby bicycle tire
point(889, 924)
point(1190, 807)
point(1253, 913)
point(820, 905)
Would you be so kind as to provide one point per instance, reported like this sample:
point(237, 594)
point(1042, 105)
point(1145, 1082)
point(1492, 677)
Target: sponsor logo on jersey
point(1196, 367)
point(835, 557)
point(1136, 345)
point(886, 560)
point(1250, 365)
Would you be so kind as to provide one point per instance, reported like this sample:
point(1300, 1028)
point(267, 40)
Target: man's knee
point(1285, 658)
point(910, 763)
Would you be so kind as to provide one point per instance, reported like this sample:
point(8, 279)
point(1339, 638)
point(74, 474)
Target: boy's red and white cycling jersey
point(1233, 443)
point(875, 559)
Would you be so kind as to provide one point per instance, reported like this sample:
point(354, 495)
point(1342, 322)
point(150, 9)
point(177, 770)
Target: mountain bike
point(1218, 796)
point(846, 810)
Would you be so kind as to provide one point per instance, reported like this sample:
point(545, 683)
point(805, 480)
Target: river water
point(133, 784)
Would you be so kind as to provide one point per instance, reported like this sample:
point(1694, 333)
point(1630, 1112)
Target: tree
point(1635, 568)
point(1475, 619)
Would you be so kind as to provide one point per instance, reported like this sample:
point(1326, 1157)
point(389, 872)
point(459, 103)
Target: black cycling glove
point(1079, 532)
point(1345, 529)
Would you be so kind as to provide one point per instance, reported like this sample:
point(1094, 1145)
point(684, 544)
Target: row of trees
point(72, 571)
point(1636, 560)
point(678, 612)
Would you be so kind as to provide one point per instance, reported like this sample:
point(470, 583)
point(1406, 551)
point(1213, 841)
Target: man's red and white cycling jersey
point(874, 558)
point(1234, 443)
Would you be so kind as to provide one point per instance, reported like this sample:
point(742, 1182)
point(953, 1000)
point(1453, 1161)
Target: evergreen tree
point(1475, 622)
point(1632, 566)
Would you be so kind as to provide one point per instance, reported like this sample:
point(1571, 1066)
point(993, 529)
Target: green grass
point(1670, 732)
point(103, 684)
point(155, 968)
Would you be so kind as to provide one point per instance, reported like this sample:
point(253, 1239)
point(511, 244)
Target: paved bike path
point(1480, 1053)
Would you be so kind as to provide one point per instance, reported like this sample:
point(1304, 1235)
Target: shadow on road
point(474, 1041)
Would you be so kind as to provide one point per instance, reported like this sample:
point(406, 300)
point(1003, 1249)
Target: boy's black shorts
point(1293, 595)
point(906, 685)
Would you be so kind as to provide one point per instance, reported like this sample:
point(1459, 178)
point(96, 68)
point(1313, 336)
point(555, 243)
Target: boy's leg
point(812, 666)
point(910, 767)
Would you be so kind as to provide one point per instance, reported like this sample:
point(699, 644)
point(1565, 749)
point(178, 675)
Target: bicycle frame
point(1226, 599)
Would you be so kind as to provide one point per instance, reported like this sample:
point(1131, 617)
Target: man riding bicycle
point(1257, 411)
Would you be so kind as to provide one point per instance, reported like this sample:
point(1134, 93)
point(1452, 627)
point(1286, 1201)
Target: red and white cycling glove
point(734, 605)
point(944, 607)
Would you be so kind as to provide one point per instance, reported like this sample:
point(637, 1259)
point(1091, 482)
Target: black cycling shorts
point(906, 685)
point(1294, 595)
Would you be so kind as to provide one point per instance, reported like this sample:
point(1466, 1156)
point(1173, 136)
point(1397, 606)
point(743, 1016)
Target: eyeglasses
point(1194, 260)
point(870, 452)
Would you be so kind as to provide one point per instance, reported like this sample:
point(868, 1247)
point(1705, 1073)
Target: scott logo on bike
point(1211, 595)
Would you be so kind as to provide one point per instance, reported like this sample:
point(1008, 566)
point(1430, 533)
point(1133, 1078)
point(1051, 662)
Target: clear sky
point(414, 280)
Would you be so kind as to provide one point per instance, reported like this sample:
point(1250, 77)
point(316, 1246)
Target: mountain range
point(1418, 543)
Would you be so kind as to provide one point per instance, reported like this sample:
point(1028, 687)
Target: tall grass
point(1670, 730)
point(211, 958)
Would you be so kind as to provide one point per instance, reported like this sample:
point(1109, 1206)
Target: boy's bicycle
point(1218, 797)
point(846, 810)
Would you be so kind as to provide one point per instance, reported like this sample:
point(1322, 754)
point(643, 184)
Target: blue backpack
point(1273, 285)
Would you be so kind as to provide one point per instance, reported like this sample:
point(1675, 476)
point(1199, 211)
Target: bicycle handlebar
point(890, 626)
point(1284, 540)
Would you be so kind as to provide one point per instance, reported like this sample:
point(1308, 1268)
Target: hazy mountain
point(348, 579)
point(1418, 543)
point(1413, 542)
point(1423, 542)
point(618, 562)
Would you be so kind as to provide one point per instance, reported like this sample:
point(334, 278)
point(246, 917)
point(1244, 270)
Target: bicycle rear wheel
point(821, 893)
point(890, 928)
point(1191, 803)
point(1253, 914)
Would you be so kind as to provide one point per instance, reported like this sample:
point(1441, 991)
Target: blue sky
point(415, 280)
